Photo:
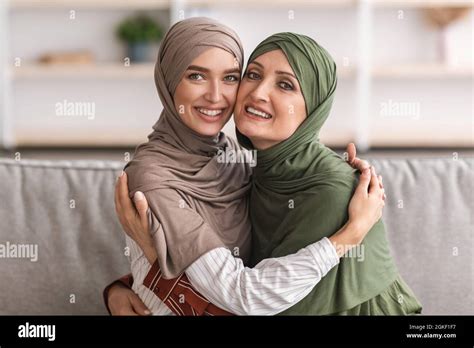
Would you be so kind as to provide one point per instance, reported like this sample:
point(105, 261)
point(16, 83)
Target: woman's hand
point(365, 209)
point(358, 163)
point(354, 161)
point(133, 217)
point(123, 301)
point(366, 205)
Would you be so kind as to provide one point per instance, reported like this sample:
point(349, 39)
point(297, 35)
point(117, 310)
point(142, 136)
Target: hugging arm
point(271, 286)
point(119, 299)
point(276, 284)
point(317, 259)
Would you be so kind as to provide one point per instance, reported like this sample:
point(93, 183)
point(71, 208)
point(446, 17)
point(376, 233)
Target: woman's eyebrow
point(231, 71)
point(257, 63)
point(279, 72)
point(198, 68)
point(206, 70)
point(285, 73)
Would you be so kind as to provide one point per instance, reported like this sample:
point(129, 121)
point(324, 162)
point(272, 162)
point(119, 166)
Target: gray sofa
point(66, 210)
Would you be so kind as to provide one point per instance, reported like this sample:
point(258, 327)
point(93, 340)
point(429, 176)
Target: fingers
point(116, 192)
point(360, 164)
point(127, 311)
point(142, 206)
point(381, 186)
point(124, 198)
point(364, 181)
point(138, 306)
point(351, 151)
point(374, 187)
point(118, 205)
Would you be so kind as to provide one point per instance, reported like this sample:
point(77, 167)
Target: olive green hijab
point(301, 190)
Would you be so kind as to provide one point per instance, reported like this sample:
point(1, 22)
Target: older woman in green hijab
point(301, 188)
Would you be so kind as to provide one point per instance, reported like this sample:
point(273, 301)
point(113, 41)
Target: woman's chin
point(208, 131)
point(247, 129)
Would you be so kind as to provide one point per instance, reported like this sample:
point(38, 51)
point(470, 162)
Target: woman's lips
point(210, 115)
point(249, 112)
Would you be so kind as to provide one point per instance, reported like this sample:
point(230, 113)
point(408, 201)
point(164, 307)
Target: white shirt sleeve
point(271, 287)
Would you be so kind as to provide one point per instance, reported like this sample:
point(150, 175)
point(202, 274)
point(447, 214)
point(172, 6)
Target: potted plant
point(138, 32)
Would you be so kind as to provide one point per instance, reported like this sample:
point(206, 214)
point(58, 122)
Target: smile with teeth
point(258, 113)
point(212, 113)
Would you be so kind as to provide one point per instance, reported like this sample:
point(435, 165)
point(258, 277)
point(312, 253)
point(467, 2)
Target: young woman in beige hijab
point(198, 214)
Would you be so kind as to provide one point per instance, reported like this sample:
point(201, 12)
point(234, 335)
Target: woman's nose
point(214, 91)
point(260, 92)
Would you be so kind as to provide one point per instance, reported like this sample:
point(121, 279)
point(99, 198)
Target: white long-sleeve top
point(270, 287)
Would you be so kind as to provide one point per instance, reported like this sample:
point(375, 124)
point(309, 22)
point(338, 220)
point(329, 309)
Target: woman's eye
point(252, 75)
point(286, 86)
point(231, 78)
point(196, 77)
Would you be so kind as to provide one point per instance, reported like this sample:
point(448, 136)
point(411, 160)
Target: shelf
point(146, 70)
point(78, 138)
point(422, 3)
point(330, 3)
point(422, 136)
point(272, 3)
point(381, 137)
point(103, 71)
point(106, 71)
point(422, 71)
point(162, 4)
point(90, 4)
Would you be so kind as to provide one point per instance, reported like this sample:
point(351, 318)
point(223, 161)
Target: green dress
point(301, 191)
point(397, 299)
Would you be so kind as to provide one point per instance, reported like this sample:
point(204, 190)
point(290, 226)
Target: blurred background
point(76, 76)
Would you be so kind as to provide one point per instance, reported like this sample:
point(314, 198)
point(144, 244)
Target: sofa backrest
point(66, 211)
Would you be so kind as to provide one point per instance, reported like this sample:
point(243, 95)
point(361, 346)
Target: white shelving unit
point(421, 3)
point(425, 71)
point(91, 4)
point(103, 71)
point(106, 72)
point(364, 75)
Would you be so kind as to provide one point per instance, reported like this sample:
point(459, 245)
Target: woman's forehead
point(215, 59)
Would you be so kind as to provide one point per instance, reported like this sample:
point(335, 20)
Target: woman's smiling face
point(206, 94)
point(270, 105)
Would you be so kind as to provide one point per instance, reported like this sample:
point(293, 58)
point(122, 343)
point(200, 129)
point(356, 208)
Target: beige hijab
point(175, 157)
